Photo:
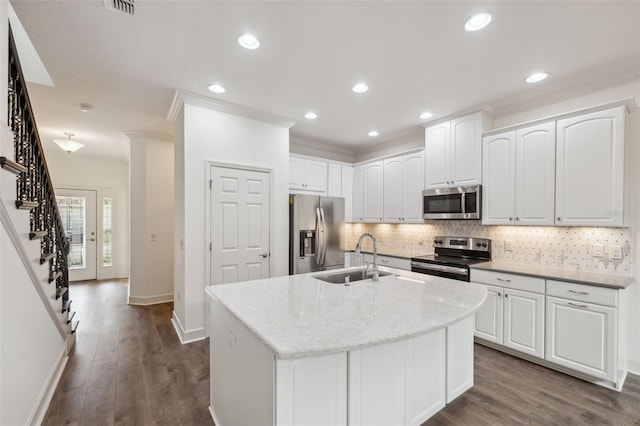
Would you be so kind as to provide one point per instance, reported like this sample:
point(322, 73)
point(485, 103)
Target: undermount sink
point(341, 277)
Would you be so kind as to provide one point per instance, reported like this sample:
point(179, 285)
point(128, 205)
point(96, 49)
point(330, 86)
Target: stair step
point(61, 291)
point(46, 257)
point(12, 166)
point(37, 234)
point(66, 306)
point(74, 326)
point(70, 316)
point(26, 205)
point(54, 276)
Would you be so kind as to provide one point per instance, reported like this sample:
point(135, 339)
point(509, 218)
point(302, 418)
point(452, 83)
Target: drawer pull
point(579, 292)
point(503, 280)
point(579, 306)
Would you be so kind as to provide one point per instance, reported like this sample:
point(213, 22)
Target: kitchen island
point(296, 350)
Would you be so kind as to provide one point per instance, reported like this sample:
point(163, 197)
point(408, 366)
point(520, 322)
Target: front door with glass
point(78, 212)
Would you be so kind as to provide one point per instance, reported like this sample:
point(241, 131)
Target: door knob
point(92, 239)
point(264, 255)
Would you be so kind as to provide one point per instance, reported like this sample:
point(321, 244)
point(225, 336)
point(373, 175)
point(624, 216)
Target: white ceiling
point(414, 55)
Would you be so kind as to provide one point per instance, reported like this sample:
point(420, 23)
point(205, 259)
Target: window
point(107, 209)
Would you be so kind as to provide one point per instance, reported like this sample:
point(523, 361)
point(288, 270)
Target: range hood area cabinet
point(454, 151)
point(307, 176)
point(567, 171)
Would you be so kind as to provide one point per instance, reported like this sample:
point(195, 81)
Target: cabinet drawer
point(391, 262)
point(517, 282)
point(584, 293)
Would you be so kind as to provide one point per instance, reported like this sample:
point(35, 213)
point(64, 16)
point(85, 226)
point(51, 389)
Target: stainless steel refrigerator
point(315, 233)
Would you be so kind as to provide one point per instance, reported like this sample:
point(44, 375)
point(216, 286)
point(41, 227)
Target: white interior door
point(78, 212)
point(239, 223)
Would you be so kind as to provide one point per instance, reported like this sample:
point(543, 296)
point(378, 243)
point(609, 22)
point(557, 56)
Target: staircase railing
point(34, 187)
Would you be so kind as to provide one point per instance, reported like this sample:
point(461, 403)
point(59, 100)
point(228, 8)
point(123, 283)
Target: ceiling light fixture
point(477, 22)
point(360, 88)
point(216, 88)
point(249, 41)
point(425, 115)
point(373, 133)
point(85, 107)
point(535, 77)
point(69, 144)
point(311, 115)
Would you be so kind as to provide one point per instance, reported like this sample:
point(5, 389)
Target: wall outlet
point(508, 245)
point(615, 252)
point(598, 250)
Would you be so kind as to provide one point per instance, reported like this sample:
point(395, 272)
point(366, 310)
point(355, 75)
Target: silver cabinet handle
point(503, 280)
point(499, 294)
point(264, 255)
point(578, 305)
point(578, 292)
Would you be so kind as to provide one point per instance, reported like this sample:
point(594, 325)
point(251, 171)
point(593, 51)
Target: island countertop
point(300, 316)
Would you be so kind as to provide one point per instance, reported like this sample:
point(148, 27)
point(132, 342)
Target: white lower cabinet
point(389, 261)
point(582, 328)
point(512, 315)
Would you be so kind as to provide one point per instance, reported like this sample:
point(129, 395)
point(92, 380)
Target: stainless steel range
point(453, 256)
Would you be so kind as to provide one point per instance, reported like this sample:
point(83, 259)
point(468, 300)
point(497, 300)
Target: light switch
point(231, 339)
point(598, 250)
point(508, 245)
point(153, 237)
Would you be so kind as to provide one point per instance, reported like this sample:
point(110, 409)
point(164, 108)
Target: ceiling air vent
point(124, 6)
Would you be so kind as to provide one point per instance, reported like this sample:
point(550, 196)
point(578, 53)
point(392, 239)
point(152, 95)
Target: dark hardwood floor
point(129, 368)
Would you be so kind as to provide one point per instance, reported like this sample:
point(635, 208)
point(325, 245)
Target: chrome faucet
point(374, 270)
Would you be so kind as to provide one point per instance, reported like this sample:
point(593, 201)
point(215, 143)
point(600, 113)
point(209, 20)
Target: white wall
point(224, 138)
point(109, 177)
point(632, 183)
point(151, 186)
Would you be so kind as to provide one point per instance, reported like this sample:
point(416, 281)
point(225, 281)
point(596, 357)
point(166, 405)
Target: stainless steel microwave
point(458, 202)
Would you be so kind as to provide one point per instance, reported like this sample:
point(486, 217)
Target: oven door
point(460, 273)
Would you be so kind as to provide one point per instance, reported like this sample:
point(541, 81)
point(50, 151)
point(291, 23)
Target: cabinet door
point(334, 180)
point(582, 336)
point(372, 194)
point(358, 194)
point(466, 150)
point(412, 187)
point(296, 173)
point(524, 322)
point(347, 192)
point(488, 319)
point(498, 179)
point(315, 176)
point(437, 155)
point(392, 190)
point(589, 163)
point(535, 156)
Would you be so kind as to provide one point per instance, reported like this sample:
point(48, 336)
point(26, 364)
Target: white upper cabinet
point(347, 192)
point(590, 169)
point(334, 180)
point(373, 194)
point(454, 152)
point(518, 176)
point(403, 186)
point(358, 194)
point(307, 175)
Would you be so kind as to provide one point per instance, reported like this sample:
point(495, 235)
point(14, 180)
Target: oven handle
point(439, 268)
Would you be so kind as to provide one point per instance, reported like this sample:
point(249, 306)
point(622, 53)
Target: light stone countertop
point(579, 277)
point(403, 254)
point(300, 316)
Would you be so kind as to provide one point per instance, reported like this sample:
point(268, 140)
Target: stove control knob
point(484, 244)
point(478, 244)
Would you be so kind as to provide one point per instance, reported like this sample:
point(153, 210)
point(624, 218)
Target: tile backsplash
point(559, 247)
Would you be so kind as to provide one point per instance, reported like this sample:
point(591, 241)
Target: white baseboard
point(634, 367)
point(187, 336)
point(44, 399)
point(150, 300)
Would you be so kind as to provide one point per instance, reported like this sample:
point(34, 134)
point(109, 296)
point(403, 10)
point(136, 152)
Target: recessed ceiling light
point(477, 22)
point(216, 88)
point(85, 107)
point(373, 133)
point(249, 41)
point(425, 115)
point(311, 115)
point(360, 88)
point(535, 77)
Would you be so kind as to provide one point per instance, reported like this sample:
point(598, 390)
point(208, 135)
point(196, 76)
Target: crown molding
point(294, 141)
point(484, 108)
point(182, 97)
point(147, 134)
